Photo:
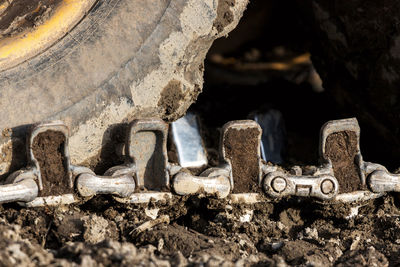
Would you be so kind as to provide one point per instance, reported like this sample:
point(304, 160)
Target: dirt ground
point(201, 232)
point(210, 232)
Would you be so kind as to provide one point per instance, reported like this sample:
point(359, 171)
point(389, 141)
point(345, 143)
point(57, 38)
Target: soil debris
point(170, 99)
point(341, 149)
point(48, 149)
point(150, 224)
point(224, 14)
point(201, 231)
point(241, 148)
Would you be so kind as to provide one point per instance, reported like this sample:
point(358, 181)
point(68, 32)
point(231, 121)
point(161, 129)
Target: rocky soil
point(198, 232)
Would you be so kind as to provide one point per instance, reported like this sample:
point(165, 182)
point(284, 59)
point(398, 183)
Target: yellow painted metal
point(16, 49)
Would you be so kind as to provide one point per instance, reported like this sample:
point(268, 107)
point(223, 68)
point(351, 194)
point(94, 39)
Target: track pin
point(192, 155)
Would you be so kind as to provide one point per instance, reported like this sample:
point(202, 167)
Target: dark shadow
point(17, 150)
point(113, 137)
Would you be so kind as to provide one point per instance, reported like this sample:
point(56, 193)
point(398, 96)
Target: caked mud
point(209, 231)
point(48, 149)
point(341, 149)
point(240, 147)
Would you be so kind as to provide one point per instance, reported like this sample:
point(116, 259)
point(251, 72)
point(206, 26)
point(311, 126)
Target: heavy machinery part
point(347, 127)
point(247, 135)
point(89, 185)
point(188, 184)
point(124, 59)
point(146, 147)
point(24, 190)
point(277, 184)
point(27, 43)
point(54, 126)
point(49, 176)
point(382, 181)
point(188, 142)
point(191, 154)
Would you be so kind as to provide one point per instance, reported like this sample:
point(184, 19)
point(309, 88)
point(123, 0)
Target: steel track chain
point(148, 175)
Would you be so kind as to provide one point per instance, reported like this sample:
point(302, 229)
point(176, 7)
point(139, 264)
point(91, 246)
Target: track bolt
point(327, 186)
point(279, 184)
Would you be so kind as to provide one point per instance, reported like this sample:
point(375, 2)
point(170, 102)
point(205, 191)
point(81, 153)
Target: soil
point(341, 149)
point(170, 98)
point(209, 232)
point(48, 149)
point(24, 14)
point(241, 148)
point(224, 14)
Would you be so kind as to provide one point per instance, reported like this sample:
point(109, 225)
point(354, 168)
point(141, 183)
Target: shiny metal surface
point(24, 190)
point(89, 185)
point(188, 142)
point(273, 138)
point(279, 184)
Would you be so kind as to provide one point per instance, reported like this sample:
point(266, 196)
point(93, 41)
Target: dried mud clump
point(241, 147)
point(48, 149)
point(341, 149)
point(224, 14)
point(171, 97)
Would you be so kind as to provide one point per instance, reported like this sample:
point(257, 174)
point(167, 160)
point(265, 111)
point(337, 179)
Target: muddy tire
point(124, 60)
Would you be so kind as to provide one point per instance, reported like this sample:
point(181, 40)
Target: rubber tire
point(126, 59)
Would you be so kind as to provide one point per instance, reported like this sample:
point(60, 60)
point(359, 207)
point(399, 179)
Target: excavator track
point(241, 177)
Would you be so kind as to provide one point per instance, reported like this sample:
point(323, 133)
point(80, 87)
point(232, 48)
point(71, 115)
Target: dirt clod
point(341, 149)
point(241, 148)
point(170, 98)
point(48, 149)
point(224, 14)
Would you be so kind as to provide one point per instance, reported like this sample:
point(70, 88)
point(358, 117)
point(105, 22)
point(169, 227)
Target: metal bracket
point(39, 186)
point(146, 147)
point(363, 168)
point(278, 184)
point(146, 161)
